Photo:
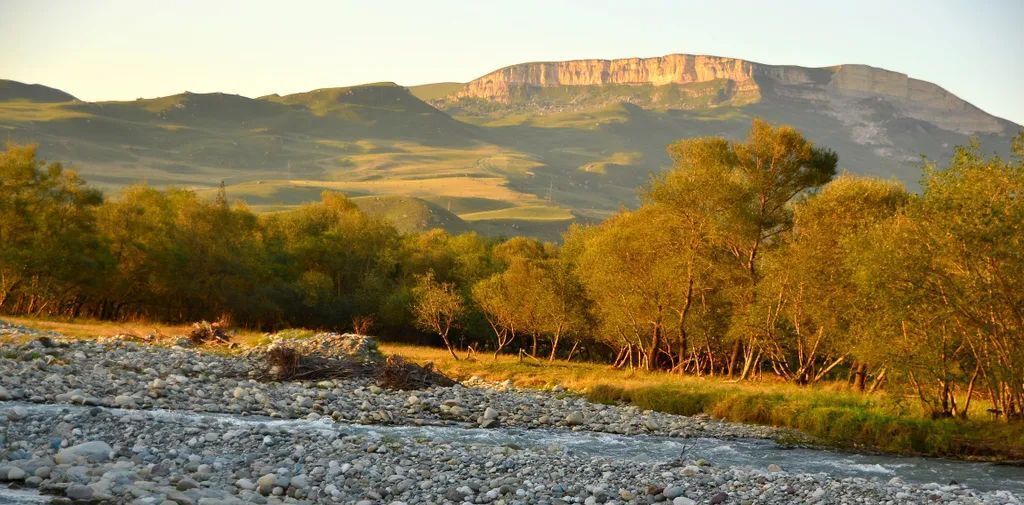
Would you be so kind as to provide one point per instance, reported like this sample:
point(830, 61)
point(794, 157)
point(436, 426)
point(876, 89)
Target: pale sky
point(106, 50)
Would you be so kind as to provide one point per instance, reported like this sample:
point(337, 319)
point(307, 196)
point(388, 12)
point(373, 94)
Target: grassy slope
point(830, 413)
point(409, 214)
point(435, 91)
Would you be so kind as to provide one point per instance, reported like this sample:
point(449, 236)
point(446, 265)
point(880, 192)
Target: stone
point(16, 473)
point(125, 401)
point(94, 452)
point(682, 500)
point(774, 468)
point(574, 418)
point(299, 482)
point(719, 498)
point(79, 492)
point(673, 492)
point(265, 484)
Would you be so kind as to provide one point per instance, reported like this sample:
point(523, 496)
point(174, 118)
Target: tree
point(943, 279)
point(748, 187)
point(564, 305)
point(51, 258)
point(340, 262)
point(808, 298)
point(493, 296)
point(437, 308)
point(630, 268)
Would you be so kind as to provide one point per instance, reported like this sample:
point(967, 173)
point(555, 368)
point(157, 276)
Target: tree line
point(748, 258)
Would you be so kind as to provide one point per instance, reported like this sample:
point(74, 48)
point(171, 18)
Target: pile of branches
point(287, 363)
point(397, 373)
point(283, 361)
point(206, 333)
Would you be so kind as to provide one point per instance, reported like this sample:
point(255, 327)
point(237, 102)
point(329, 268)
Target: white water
point(749, 453)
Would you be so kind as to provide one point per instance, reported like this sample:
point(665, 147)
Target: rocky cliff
point(842, 90)
point(672, 69)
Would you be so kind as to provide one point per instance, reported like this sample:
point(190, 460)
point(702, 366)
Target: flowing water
point(755, 453)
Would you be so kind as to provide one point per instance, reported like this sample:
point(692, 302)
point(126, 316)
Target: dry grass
point(831, 413)
point(91, 328)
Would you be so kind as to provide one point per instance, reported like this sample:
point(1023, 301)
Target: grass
point(435, 91)
point(92, 328)
point(529, 212)
point(831, 414)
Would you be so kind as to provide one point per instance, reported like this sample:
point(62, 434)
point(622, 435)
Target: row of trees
point(746, 258)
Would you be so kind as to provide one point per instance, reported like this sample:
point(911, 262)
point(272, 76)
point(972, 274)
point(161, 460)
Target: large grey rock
point(79, 492)
point(16, 473)
point(94, 452)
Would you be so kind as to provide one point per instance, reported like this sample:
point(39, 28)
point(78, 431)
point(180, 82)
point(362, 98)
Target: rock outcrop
point(672, 69)
point(840, 89)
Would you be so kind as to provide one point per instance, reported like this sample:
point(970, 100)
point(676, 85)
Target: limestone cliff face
point(672, 69)
point(840, 89)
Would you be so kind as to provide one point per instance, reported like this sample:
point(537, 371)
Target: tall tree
point(748, 186)
point(437, 308)
point(808, 299)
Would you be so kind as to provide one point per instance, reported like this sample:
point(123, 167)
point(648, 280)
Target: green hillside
point(409, 214)
point(436, 91)
point(17, 91)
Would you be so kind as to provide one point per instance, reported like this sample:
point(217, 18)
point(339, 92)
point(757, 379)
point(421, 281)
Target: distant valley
point(526, 149)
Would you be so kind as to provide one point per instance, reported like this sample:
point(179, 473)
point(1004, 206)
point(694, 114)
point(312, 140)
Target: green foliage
point(808, 297)
point(49, 250)
point(942, 280)
point(437, 307)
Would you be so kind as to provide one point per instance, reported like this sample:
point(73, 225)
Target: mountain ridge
point(532, 161)
point(751, 81)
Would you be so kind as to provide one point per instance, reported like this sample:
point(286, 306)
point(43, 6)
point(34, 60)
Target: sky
point(122, 50)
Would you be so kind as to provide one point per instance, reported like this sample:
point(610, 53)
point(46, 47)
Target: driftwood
point(312, 361)
point(285, 363)
point(398, 373)
point(204, 333)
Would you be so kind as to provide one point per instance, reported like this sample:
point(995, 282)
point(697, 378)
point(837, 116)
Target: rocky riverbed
point(129, 423)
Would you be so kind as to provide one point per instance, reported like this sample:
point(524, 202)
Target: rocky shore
point(123, 422)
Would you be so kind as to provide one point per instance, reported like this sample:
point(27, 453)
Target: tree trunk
point(735, 356)
point(860, 376)
point(554, 345)
point(879, 379)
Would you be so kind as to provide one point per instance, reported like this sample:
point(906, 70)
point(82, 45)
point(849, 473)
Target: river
point(756, 453)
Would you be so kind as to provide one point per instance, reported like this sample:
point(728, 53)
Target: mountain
point(17, 91)
point(526, 149)
point(410, 214)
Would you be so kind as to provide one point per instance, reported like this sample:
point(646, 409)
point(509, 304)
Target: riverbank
point(132, 423)
point(831, 413)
